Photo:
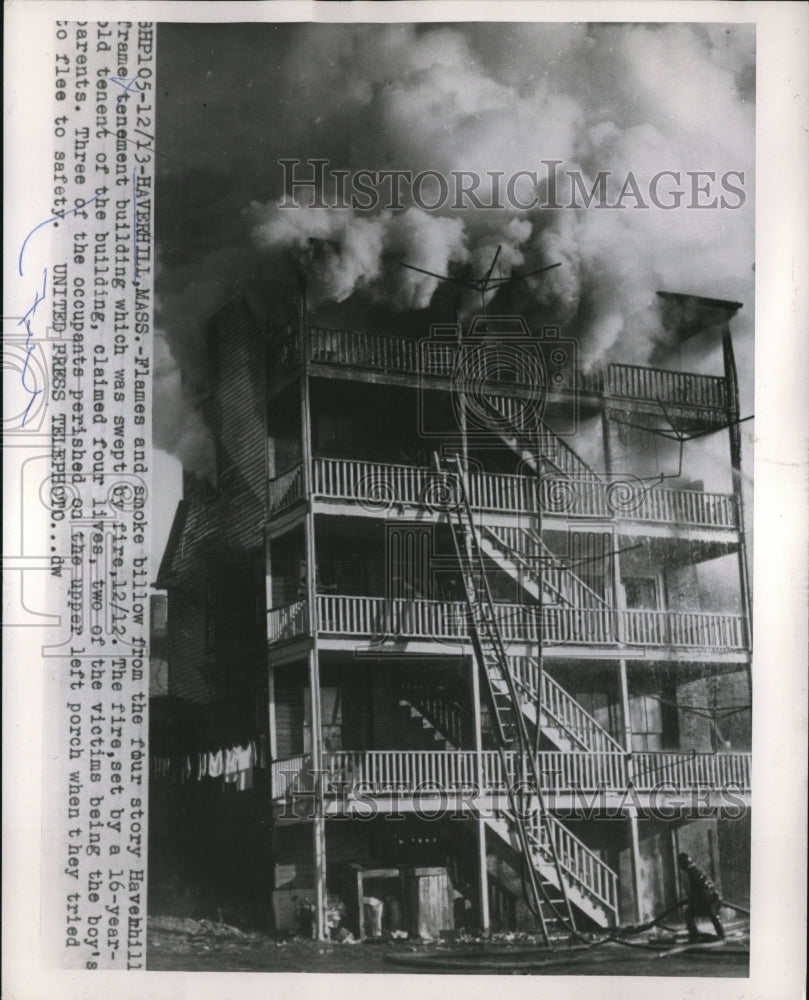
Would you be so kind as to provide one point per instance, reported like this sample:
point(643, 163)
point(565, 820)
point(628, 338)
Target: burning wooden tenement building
point(460, 637)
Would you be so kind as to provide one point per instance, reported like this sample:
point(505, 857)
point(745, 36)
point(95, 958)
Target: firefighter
point(704, 899)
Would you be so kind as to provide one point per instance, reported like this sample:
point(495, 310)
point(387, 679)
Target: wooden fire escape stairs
point(538, 835)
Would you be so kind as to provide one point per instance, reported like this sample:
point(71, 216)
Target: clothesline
point(229, 765)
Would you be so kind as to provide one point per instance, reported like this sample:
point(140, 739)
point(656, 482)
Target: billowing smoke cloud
point(178, 427)
point(348, 253)
point(484, 98)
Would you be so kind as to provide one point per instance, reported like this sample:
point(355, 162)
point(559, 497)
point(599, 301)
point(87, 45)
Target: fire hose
point(536, 958)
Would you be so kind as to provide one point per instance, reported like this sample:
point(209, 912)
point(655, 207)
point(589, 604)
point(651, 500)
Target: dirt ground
point(183, 944)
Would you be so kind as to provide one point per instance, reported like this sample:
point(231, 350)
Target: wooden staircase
point(590, 884)
point(552, 854)
point(533, 441)
point(523, 555)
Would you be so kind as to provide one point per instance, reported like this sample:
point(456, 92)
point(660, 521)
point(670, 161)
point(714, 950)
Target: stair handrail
point(566, 569)
point(422, 699)
point(536, 537)
point(609, 875)
point(551, 683)
point(541, 428)
point(523, 562)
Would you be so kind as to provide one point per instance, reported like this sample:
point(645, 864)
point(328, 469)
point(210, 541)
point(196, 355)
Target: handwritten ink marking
point(151, 149)
point(37, 299)
point(32, 391)
point(125, 86)
point(53, 218)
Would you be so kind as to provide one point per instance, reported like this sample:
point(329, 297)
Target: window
point(409, 551)
point(642, 592)
point(331, 719)
point(646, 717)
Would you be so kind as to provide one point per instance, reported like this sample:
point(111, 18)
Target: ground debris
point(183, 943)
point(181, 934)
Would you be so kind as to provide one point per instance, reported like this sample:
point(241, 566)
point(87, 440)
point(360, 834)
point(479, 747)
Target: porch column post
point(627, 719)
point(632, 814)
point(272, 725)
point(318, 819)
point(272, 733)
point(483, 870)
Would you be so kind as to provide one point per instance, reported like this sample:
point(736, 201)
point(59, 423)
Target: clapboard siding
point(215, 563)
point(191, 673)
point(238, 416)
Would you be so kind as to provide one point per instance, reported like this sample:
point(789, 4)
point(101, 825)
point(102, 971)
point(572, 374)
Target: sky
point(640, 99)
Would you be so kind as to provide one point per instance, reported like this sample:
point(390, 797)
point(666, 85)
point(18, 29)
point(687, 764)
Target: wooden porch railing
point(363, 350)
point(373, 484)
point(287, 622)
point(438, 620)
point(684, 628)
point(384, 352)
point(450, 772)
point(285, 489)
point(677, 388)
point(691, 770)
point(629, 498)
point(290, 775)
point(378, 485)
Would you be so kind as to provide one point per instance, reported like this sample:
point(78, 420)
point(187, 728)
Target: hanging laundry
point(245, 761)
point(216, 764)
point(185, 768)
point(231, 765)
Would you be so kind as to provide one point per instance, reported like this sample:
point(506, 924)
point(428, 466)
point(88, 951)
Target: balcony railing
point(378, 618)
point(403, 355)
point(289, 775)
point(691, 770)
point(684, 628)
point(285, 489)
point(288, 622)
point(377, 486)
point(409, 773)
point(678, 388)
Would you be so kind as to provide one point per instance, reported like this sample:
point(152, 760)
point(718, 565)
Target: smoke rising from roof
point(483, 98)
